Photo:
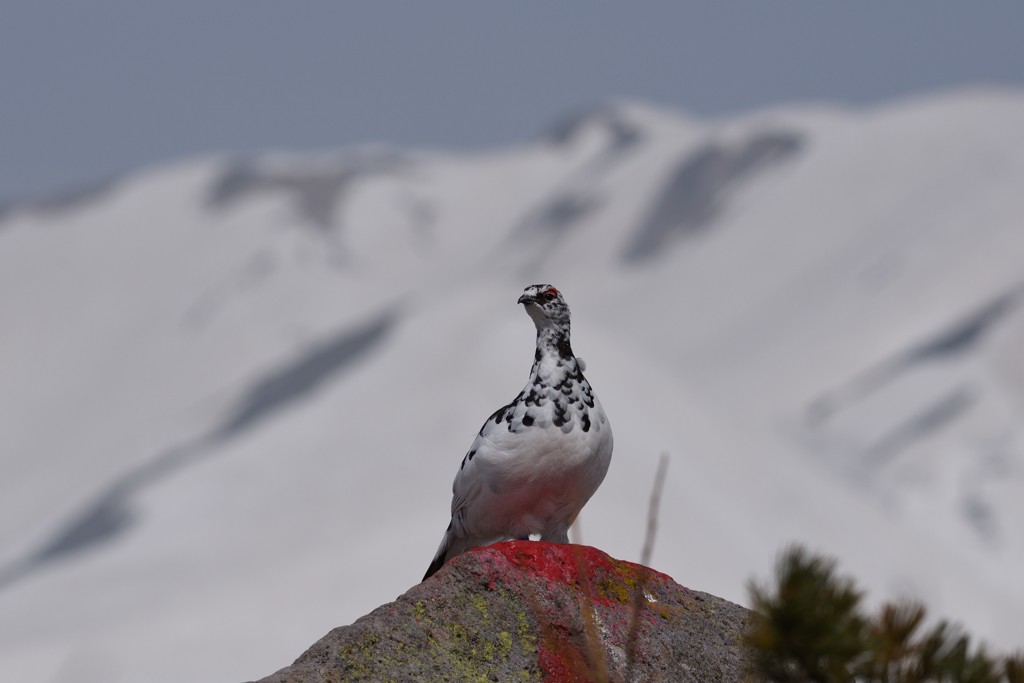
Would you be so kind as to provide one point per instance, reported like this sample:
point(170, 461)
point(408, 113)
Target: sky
point(93, 89)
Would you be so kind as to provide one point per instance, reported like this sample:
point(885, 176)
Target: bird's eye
point(551, 293)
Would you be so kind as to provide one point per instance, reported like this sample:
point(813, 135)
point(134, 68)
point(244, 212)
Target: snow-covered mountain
point(235, 391)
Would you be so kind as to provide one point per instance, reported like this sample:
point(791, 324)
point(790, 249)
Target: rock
point(532, 611)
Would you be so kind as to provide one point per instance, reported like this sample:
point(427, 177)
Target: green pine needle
point(808, 627)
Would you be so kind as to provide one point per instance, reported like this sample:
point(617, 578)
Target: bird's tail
point(442, 554)
point(435, 565)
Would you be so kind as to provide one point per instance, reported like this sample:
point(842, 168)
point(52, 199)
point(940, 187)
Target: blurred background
point(258, 272)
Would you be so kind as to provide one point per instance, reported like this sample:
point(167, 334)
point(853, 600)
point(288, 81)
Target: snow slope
point(236, 390)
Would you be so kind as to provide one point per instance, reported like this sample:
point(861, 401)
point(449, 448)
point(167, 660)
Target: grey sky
point(88, 89)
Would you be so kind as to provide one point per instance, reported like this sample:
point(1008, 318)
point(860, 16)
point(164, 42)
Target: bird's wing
point(494, 443)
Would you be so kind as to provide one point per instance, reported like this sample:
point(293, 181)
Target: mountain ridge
point(147, 318)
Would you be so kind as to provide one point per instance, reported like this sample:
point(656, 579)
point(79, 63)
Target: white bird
point(537, 461)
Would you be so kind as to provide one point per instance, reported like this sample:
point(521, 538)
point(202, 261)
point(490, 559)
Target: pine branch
point(808, 627)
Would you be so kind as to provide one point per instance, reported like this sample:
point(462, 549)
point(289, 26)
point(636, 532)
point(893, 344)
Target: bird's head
point(546, 306)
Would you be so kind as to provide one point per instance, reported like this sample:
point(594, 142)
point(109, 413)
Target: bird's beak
point(526, 299)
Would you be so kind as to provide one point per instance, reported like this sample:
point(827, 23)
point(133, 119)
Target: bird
point(535, 462)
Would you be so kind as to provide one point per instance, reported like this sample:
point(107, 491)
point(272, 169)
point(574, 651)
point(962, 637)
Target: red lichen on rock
point(564, 562)
point(603, 594)
point(563, 665)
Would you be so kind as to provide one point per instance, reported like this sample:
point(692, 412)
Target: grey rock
point(531, 611)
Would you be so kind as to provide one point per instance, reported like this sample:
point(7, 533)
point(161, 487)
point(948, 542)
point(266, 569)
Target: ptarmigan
point(538, 460)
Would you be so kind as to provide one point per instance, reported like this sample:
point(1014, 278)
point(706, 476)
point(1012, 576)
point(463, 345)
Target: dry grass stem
point(645, 559)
